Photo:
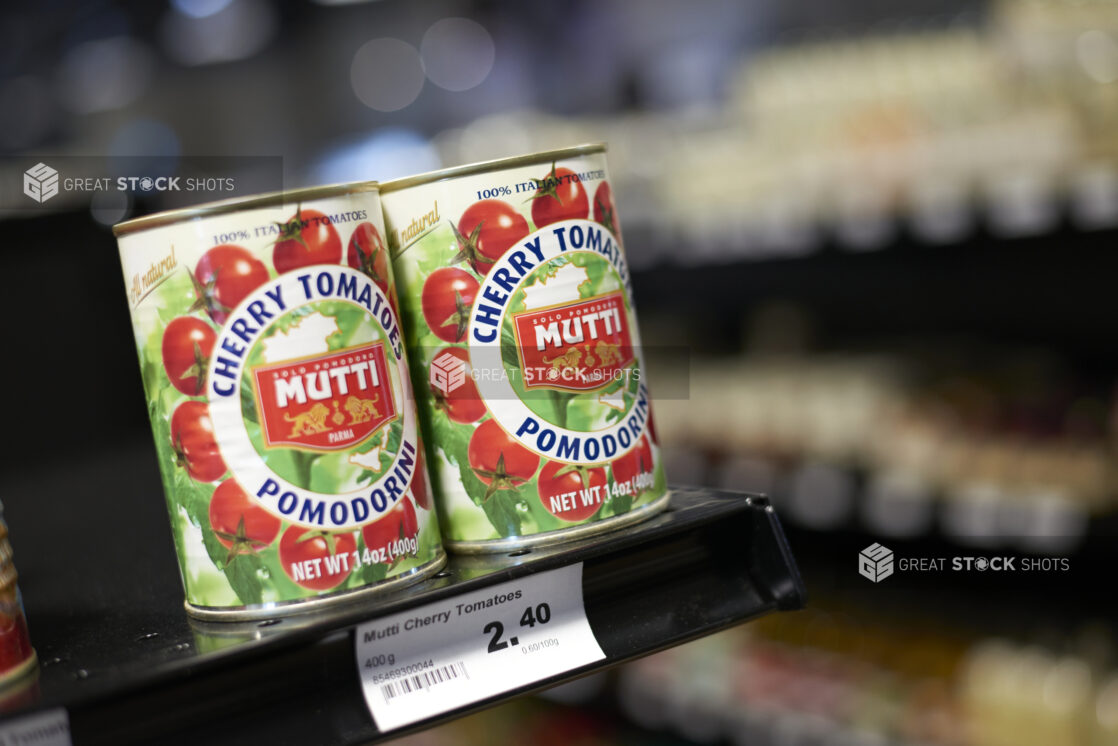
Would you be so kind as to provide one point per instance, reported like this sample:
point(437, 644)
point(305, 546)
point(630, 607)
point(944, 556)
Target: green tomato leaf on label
point(248, 403)
point(621, 504)
point(244, 577)
point(501, 511)
point(369, 574)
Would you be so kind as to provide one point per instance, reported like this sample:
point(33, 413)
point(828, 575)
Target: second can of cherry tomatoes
point(524, 347)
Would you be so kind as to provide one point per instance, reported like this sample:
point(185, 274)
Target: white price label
point(47, 728)
point(448, 654)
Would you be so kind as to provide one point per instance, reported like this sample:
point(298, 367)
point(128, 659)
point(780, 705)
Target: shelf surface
point(120, 655)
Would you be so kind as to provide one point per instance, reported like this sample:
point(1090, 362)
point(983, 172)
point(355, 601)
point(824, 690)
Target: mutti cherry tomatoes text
point(498, 459)
point(192, 439)
point(368, 253)
point(239, 524)
point(571, 493)
point(603, 207)
point(463, 404)
point(485, 232)
point(636, 462)
point(448, 294)
point(307, 238)
point(559, 196)
point(399, 523)
point(316, 559)
point(223, 277)
point(187, 344)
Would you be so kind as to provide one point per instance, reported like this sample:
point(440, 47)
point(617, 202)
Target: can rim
point(469, 169)
point(339, 599)
point(233, 204)
point(561, 536)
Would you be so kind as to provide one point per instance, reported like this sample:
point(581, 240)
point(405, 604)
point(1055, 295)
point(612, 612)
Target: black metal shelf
point(119, 654)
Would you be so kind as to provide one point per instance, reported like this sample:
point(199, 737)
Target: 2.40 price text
point(541, 614)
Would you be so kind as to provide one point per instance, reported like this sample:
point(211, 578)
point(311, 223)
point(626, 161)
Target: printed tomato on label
point(316, 559)
point(240, 525)
point(307, 238)
point(571, 493)
point(399, 523)
point(603, 207)
point(636, 461)
point(187, 344)
point(192, 438)
point(448, 294)
point(485, 232)
point(559, 196)
point(498, 459)
point(368, 253)
point(223, 277)
point(419, 487)
point(461, 401)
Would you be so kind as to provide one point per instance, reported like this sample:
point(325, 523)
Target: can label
point(519, 313)
point(280, 402)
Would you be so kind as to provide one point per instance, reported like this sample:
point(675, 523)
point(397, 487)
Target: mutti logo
point(327, 402)
point(875, 562)
point(40, 182)
point(447, 372)
point(576, 346)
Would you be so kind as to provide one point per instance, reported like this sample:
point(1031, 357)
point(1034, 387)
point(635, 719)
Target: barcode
point(423, 680)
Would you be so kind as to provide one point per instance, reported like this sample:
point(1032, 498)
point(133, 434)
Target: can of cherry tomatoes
point(275, 370)
point(524, 347)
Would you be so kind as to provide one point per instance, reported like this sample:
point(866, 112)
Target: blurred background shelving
point(873, 256)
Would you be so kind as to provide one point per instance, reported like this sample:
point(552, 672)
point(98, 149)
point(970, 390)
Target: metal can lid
point(235, 204)
point(543, 156)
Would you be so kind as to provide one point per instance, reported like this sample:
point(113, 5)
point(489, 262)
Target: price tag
point(452, 653)
point(47, 728)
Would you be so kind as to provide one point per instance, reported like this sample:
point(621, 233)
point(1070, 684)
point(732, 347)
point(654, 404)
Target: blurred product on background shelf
point(824, 678)
point(997, 120)
point(1008, 126)
point(1011, 450)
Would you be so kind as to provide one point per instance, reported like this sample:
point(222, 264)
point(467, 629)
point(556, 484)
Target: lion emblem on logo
point(309, 422)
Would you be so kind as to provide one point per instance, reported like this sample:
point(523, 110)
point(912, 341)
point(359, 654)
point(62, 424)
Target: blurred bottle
point(17, 657)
